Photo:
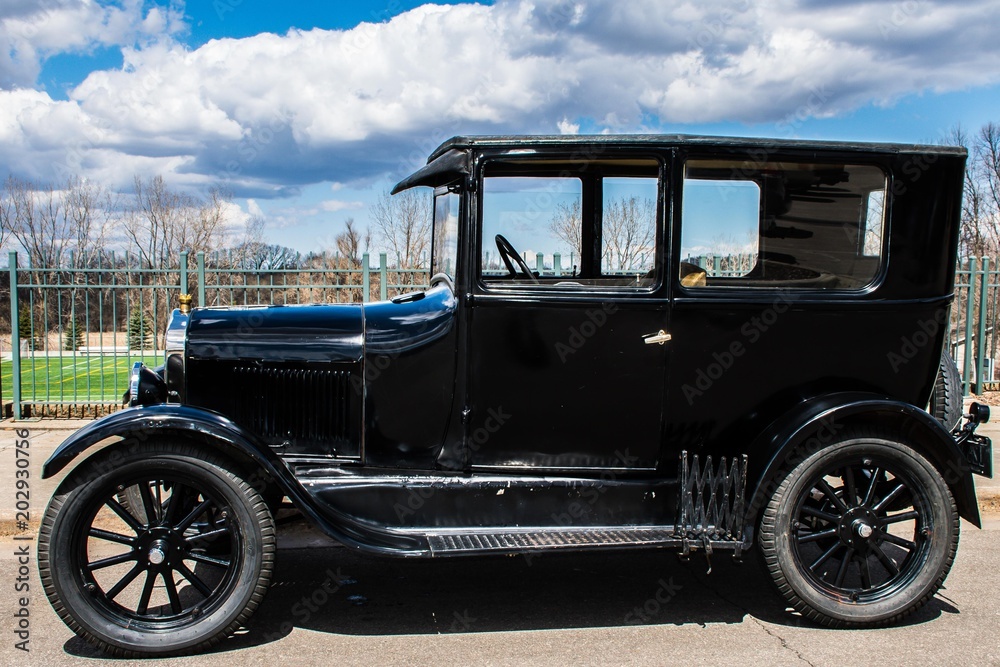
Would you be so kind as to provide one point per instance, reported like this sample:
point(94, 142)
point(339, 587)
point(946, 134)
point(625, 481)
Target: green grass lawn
point(81, 378)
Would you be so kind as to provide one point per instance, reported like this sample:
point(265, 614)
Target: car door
point(568, 317)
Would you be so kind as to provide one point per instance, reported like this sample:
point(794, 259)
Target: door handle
point(660, 337)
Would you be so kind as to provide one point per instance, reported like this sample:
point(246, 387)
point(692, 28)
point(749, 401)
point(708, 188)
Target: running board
point(521, 540)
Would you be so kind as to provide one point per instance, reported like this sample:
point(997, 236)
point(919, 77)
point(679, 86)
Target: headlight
point(145, 386)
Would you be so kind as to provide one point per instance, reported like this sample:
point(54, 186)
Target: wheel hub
point(858, 527)
point(157, 552)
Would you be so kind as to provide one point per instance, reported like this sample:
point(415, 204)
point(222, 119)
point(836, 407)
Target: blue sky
point(307, 111)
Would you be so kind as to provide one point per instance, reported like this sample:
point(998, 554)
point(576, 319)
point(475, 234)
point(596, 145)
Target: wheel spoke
point(207, 560)
point(850, 485)
point(885, 560)
point(819, 514)
point(125, 581)
point(813, 537)
point(870, 494)
point(124, 514)
point(113, 560)
point(899, 541)
point(844, 564)
point(175, 503)
point(147, 503)
point(209, 534)
point(902, 516)
point(147, 592)
point(889, 498)
point(866, 573)
point(175, 601)
point(826, 556)
point(832, 495)
point(111, 537)
point(189, 519)
point(194, 579)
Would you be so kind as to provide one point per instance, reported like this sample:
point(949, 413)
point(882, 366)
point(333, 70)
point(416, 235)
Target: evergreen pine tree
point(72, 335)
point(24, 328)
point(138, 330)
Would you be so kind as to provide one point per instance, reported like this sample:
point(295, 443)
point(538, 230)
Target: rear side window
point(781, 224)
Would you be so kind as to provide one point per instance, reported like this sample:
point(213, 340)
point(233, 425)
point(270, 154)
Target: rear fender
point(212, 430)
point(816, 424)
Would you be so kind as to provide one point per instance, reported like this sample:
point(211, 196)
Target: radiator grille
point(297, 407)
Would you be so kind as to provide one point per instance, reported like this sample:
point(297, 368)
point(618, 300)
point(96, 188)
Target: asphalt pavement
point(328, 604)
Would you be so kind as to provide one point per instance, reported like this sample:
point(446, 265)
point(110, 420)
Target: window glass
point(570, 225)
point(444, 252)
point(539, 217)
point(628, 226)
point(721, 221)
point(781, 224)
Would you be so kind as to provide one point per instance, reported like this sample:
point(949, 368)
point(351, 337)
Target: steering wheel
point(508, 253)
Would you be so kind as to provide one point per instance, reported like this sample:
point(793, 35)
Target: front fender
point(214, 430)
point(815, 423)
point(142, 423)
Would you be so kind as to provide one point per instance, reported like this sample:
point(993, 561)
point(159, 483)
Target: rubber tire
point(803, 596)
point(946, 398)
point(72, 603)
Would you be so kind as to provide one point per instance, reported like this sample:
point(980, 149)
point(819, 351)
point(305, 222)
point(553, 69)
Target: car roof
point(666, 140)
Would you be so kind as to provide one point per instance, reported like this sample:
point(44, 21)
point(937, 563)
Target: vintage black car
point(692, 343)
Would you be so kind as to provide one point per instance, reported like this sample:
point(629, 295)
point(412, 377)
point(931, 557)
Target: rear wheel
point(178, 571)
point(861, 533)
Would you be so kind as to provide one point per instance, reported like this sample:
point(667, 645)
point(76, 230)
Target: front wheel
point(860, 533)
point(177, 572)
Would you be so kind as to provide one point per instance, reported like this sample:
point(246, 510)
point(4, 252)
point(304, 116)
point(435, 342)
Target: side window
point(781, 224)
point(573, 225)
point(628, 227)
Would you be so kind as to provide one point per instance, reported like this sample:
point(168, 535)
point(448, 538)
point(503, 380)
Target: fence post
point(15, 339)
point(981, 338)
point(366, 280)
point(383, 272)
point(201, 279)
point(969, 310)
point(184, 272)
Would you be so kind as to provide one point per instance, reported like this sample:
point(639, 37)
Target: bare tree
point(402, 225)
point(980, 233)
point(629, 229)
point(6, 215)
point(161, 222)
point(351, 243)
point(565, 225)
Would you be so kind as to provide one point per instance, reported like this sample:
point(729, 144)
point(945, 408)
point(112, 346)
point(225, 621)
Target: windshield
point(444, 253)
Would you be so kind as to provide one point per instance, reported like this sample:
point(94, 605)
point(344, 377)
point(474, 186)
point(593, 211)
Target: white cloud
point(33, 30)
point(270, 113)
point(334, 205)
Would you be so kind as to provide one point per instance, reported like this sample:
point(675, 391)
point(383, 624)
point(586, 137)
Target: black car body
point(632, 381)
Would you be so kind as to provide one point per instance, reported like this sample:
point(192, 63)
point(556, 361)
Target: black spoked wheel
point(860, 533)
point(177, 570)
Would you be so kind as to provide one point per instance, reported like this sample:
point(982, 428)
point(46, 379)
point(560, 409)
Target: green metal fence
point(972, 335)
point(77, 329)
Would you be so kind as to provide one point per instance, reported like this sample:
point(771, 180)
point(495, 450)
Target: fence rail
point(76, 330)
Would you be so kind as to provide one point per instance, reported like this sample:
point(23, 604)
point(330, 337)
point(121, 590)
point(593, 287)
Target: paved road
point(620, 609)
point(624, 608)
